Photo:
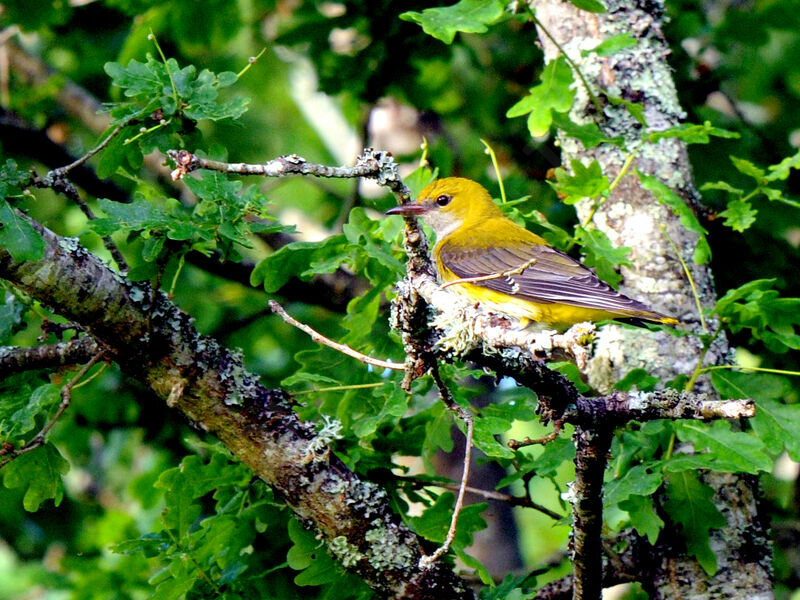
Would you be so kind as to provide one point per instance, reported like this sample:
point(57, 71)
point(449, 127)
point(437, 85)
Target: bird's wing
point(552, 277)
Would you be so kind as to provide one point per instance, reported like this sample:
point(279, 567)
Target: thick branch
point(155, 343)
point(15, 360)
point(586, 493)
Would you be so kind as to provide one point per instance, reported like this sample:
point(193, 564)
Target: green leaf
point(18, 236)
point(473, 563)
point(23, 419)
point(593, 6)
point(275, 270)
point(702, 251)
point(638, 481)
point(552, 95)
point(584, 182)
point(469, 16)
point(309, 555)
point(638, 378)
point(176, 92)
point(782, 169)
point(12, 180)
point(554, 454)
point(747, 168)
point(689, 504)
point(735, 451)
point(644, 518)
point(612, 45)
point(12, 313)
point(571, 372)
point(434, 523)
point(589, 133)
point(419, 179)
point(634, 109)
point(758, 308)
point(691, 133)
point(722, 186)
point(601, 254)
point(363, 232)
point(438, 431)
point(485, 430)
point(39, 473)
point(776, 424)
point(739, 215)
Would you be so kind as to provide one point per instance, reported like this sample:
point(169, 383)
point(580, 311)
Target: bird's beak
point(411, 208)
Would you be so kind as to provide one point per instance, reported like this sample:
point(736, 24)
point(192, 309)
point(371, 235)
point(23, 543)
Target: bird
point(509, 270)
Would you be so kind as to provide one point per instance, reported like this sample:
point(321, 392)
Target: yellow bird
point(507, 268)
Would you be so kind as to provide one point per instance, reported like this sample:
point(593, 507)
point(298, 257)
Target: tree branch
point(586, 495)
point(15, 359)
point(156, 343)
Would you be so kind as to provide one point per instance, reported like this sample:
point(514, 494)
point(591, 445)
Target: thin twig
point(515, 271)
point(344, 349)
point(517, 444)
point(522, 502)
point(60, 184)
point(373, 164)
point(427, 562)
point(66, 398)
point(62, 171)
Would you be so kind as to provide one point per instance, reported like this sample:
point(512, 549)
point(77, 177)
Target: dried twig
point(344, 349)
point(427, 561)
point(372, 164)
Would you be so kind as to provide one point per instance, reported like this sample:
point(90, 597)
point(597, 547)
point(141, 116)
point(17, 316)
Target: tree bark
point(632, 217)
point(156, 343)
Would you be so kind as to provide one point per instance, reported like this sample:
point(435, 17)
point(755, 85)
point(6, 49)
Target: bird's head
point(447, 204)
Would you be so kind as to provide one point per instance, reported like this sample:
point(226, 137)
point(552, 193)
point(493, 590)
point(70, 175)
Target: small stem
point(598, 203)
point(344, 349)
point(757, 369)
point(181, 262)
point(250, 62)
point(670, 446)
point(152, 38)
point(698, 369)
point(592, 97)
point(689, 278)
point(490, 151)
point(338, 388)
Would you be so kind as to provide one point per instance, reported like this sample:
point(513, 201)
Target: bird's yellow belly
point(552, 315)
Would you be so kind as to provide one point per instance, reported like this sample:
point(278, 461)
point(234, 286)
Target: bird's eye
point(443, 200)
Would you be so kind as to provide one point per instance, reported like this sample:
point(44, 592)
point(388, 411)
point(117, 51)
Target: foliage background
point(129, 464)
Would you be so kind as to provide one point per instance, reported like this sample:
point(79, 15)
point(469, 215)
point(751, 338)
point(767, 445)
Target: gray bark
point(632, 217)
